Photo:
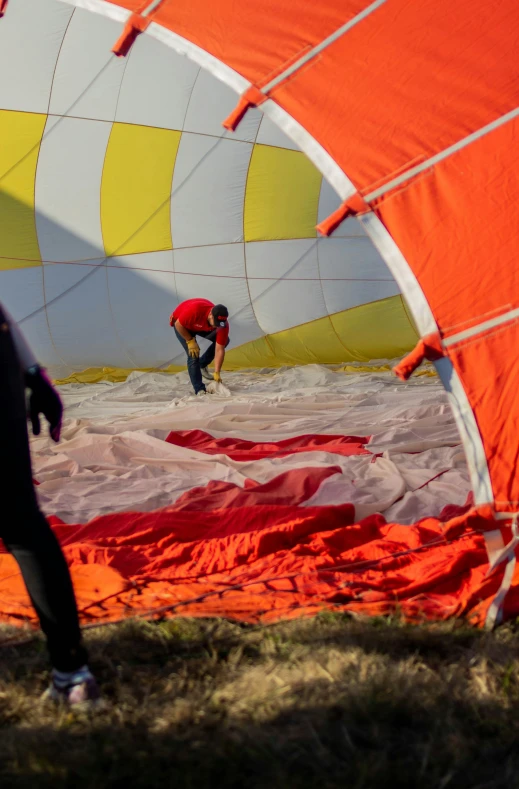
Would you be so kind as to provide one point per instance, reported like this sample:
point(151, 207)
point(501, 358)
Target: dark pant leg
point(193, 366)
point(23, 528)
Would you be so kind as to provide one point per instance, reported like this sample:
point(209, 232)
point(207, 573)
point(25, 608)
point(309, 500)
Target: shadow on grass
point(318, 703)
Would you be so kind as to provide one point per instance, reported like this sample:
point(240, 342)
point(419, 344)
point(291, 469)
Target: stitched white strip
point(504, 555)
point(469, 432)
point(152, 6)
point(224, 73)
point(101, 7)
point(507, 554)
point(401, 271)
point(481, 327)
point(422, 314)
point(494, 542)
point(458, 146)
point(495, 612)
point(322, 46)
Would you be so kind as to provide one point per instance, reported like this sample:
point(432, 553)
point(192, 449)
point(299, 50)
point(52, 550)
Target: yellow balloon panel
point(20, 138)
point(381, 329)
point(136, 189)
point(282, 195)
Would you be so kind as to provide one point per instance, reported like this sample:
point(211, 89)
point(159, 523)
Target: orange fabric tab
point(3, 6)
point(252, 97)
point(134, 26)
point(429, 347)
point(353, 205)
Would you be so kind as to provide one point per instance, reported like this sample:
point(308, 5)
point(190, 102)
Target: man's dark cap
point(220, 314)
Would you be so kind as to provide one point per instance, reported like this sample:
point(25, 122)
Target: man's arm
point(185, 333)
point(193, 348)
point(219, 356)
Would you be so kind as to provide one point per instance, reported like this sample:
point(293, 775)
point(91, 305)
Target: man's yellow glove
point(193, 349)
point(217, 377)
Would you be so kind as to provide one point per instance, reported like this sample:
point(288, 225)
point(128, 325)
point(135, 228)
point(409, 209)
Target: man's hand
point(217, 377)
point(193, 349)
point(45, 400)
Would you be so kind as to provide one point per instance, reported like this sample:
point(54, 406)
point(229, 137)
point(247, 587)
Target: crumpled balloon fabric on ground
point(150, 526)
point(255, 555)
point(113, 455)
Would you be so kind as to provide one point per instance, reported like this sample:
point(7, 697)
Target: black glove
point(45, 400)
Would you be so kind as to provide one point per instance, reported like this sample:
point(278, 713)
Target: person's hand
point(45, 400)
point(217, 377)
point(193, 349)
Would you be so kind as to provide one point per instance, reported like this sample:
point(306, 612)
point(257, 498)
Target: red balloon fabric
point(411, 112)
point(257, 554)
point(239, 449)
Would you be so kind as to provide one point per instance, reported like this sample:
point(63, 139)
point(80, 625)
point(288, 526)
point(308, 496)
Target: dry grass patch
point(324, 702)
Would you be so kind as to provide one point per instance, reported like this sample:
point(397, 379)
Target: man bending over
point(201, 318)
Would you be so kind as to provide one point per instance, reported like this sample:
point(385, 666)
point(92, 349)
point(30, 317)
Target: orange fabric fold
point(252, 97)
point(254, 554)
point(353, 205)
point(134, 27)
point(429, 347)
point(3, 6)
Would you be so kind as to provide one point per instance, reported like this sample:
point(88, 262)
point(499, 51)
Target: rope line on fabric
point(88, 264)
point(102, 263)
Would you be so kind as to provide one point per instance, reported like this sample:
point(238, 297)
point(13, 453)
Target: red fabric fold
point(3, 7)
point(429, 347)
point(252, 554)
point(240, 449)
point(291, 488)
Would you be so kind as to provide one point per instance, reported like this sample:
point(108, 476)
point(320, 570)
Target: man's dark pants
point(194, 366)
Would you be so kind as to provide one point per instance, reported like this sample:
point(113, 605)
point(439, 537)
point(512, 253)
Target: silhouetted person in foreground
point(24, 529)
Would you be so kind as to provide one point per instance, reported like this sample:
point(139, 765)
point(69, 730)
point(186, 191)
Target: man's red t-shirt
point(193, 315)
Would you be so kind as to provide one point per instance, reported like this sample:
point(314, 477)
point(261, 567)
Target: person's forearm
point(219, 357)
point(185, 333)
point(25, 354)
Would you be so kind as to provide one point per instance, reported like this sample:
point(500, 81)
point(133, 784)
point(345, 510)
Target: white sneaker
point(206, 374)
point(201, 393)
point(84, 694)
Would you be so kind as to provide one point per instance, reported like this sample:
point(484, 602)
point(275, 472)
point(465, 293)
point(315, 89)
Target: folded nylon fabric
point(247, 554)
point(238, 449)
point(305, 488)
point(113, 455)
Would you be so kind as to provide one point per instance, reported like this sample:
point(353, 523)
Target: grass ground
point(324, 702)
